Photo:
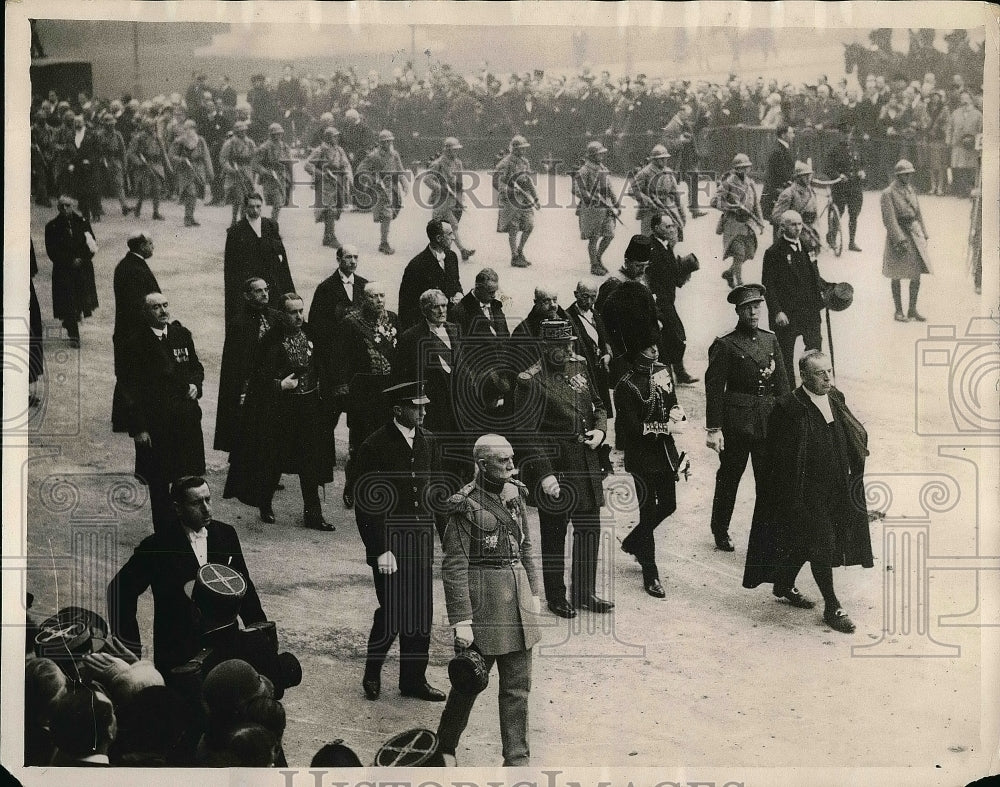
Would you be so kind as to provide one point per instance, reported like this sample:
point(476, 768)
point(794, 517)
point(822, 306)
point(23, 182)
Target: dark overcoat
point(74, 289)
point(793, 283)
point(905, 255)
point(421, 355)
point(814, 507)
point(279, 431)
point(593, 351)
point(247, 255)
point(664, 278)
point(154, 379)
point(242, 337)
point(424, 273)
point(556, 410)
point(133, 282)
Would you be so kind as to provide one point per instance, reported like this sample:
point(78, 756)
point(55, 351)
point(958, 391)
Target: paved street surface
point(712, 675)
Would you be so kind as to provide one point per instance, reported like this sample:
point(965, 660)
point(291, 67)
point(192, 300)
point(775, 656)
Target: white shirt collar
point(348, 280)
point(159, 331)
point(797, 242)
point(409, 434)
point(438, 255)
point(663, 242)
point(255, 225)
point(783, 143)
point(199, 543)
point(822, 404)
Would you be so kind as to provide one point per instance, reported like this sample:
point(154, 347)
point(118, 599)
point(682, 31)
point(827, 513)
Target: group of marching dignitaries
point(443, 401)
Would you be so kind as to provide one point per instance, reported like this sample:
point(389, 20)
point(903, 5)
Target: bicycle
point(834, 233)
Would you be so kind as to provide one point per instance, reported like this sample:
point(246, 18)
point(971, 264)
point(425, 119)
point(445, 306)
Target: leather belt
point(495, 563)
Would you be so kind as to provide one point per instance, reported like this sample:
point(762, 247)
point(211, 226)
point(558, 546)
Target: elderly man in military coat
point(563, 424)
point(395, 465)
point(491, 590)
point(746, 372)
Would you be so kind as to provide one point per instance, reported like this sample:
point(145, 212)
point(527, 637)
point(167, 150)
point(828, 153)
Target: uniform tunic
point(516, 191)
point(445, 181)
point(384, 170)
point(592, 189)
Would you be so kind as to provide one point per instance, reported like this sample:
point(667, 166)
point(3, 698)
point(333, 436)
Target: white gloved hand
point(714, 440)
point(387, 563)
point(678, 420)
point(463, 634)
point(536, 605)
point(594, 438)
point(550, 486)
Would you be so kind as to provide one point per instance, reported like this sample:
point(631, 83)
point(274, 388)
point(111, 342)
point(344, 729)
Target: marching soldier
point(518, 199)
point(491, 590)
point(111, 145)
point(800, 197)
point(739, 200)
point(445, 181)
point(655, 189)
point(235, 158)
point(746, 373)
point(332, 178)
point(566, 422)
point(387, 179)
point(272, 162)
point(597, 208)
point(193, 165)
point(149, 164)
point(844, 161)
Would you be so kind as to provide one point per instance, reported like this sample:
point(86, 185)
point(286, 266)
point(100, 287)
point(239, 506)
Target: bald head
point(791, 224)
point(494, 458)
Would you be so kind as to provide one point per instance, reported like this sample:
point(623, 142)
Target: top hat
point(468, 672)
point(839, 296)
point(746, 293)
point(408, 392)
point(638, 249)
point(556, 331)
point(217, 591)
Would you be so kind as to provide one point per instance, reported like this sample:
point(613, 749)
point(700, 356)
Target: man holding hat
point(655, 189)
point(794, 290)
point(667, 272)
point(272, 162)
point(905, 255)
point(165, 562)
point(741, 219)
point(385, 176)
point(564, 423)
point(746, 372)
point(235, 159)
point(332, 179)
point(800, 198)
point(518, 199)
point(491, 589)
point(444, 177)
point(597, 207)
point(398, 532)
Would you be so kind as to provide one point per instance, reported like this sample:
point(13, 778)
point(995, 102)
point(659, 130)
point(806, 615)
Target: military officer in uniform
point(564, 423)
point(272, 162)
point(332, 178)
point(387, 178)
point(799, 197)
point(518, 199)
point(491, 590)
point(597, 208)
point(444, 177)
point(655, 189)
point(746, 372)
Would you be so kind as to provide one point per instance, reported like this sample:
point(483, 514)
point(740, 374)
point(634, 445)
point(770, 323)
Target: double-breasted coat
point(133, 281)
point(248, 254)
point(155, 379)
point(489, 570)
point(557, 408)
point(238, 351)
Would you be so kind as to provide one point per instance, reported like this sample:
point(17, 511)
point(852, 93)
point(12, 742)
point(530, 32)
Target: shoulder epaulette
point(456, 501)
point(525, 377)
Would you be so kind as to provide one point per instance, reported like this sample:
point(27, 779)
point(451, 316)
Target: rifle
point(520, 190)
point(603, 201)
point(197, 178)
point(734, 207)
